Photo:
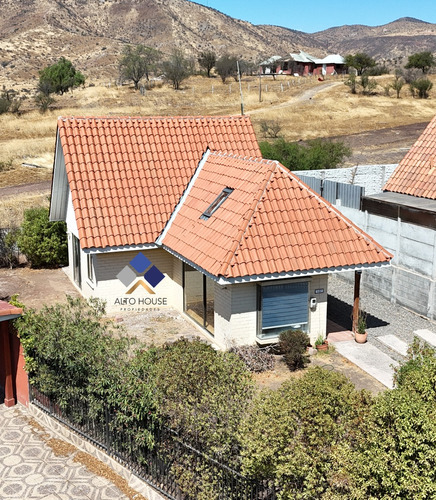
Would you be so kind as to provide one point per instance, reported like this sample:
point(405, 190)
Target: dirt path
point(37, 187)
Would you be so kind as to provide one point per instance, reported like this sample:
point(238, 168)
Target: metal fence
point(336, 193)
point(174, 468)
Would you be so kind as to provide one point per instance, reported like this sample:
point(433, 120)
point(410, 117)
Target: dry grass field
point(305, 108)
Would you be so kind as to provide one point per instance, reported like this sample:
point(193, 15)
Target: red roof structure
point(271, 222)
point(8, 311)
point(416, 173)
point(126, 175)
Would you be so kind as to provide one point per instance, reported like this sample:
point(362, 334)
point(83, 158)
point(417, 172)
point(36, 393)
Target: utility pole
point(260, 86)
point(240, 88)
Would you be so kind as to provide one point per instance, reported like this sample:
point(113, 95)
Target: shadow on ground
point(341, 313)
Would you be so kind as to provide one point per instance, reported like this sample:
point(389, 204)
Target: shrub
point(316, 154)
point(202, 393)
point(293, 344)
point(71, 351)
point(44, 243)
point(270, 128)
point(422, 86)
point(256, 359)
point(290, 435)
point(8, 247)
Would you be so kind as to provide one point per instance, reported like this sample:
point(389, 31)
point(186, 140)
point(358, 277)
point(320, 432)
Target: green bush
point(290, 435)
point(8, 247)
point(202, 393)
point(293, 344)
point(71, 351)
point(317, 154)
point(421, 87)
point(44, 243)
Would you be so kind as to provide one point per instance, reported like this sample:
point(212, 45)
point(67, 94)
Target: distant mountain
point(391, 41)
point(92, 33)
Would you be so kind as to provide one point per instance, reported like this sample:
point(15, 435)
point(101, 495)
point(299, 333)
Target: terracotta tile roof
point(126, 175)
point(416, 173)
point(271, 223)
point(7, 309)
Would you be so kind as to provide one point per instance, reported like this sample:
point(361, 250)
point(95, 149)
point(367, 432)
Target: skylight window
point(219, 200)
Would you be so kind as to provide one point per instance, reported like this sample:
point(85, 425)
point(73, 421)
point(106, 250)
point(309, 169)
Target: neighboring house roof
point(331, 59)
point(303, 57)
point(126, 175)
point(271, 223)
point(271, 60)
point(416, 173)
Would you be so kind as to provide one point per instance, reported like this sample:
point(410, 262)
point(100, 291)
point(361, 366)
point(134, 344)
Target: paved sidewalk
point(35, 464)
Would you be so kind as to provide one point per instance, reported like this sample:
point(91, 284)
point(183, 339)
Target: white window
point(90, 267)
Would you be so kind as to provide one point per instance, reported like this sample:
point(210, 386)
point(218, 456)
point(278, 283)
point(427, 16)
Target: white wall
point(371, 177)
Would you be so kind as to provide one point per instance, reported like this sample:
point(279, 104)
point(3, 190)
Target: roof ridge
point(247, 219)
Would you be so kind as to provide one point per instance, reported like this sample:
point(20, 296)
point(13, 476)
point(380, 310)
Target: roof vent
point(219, 200)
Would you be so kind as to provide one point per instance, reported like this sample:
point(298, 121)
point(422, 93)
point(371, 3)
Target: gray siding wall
point(411, 280)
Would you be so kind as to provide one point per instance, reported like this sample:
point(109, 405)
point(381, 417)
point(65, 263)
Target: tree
point(60, 77)
point(44, 243)
point(317, 154)
point(421, 60)
point(361, 62)
point(422, 86)
point(351, 82)
point(290, 434)
point(398, 83)
point(368, 84)
point(137, 62)
point(177, 68)
point(207, 61)
point(226, 67)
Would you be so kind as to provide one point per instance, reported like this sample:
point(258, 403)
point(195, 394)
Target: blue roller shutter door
point(284, 307)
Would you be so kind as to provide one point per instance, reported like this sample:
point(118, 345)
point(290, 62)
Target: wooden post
point(357, 276)
point(9, 390)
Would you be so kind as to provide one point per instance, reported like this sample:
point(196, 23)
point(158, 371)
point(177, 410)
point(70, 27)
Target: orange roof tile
point(416, 173)
point(139, 167)
point(245, 236)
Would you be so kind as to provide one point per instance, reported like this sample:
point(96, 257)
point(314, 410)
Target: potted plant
point(361, 334)
point(321, 343)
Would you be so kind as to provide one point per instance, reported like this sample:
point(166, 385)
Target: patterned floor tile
point(30, 470)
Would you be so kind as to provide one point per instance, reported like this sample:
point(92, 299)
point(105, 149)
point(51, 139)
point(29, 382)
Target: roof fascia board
point(189, 262)
point(299, 274)
point(274, 276)
point(124, 248)
point(184, 196)
point(59, 184)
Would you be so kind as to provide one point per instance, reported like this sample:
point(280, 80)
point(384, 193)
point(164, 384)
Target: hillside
point(93, 32)
point(391, 41)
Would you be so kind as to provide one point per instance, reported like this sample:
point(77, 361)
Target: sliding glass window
point(198, 297)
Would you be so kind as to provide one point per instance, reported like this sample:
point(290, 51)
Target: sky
point(316, 15)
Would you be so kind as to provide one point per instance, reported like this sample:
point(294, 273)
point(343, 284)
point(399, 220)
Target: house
point(182, 212)
point(304, 64)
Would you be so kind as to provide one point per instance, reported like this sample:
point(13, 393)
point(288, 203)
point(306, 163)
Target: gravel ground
point(383, 316)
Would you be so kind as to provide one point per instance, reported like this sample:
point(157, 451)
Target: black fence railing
point(176, 469)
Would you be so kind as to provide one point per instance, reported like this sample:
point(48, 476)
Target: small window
point(219, 200)
point(90, 266)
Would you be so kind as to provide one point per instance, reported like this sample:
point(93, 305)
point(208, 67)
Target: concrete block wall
point(371, 177)
point(411, 280)
point(244, 313)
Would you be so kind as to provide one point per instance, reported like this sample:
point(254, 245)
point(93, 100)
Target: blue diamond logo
point(140, 263)
point(154, 276)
